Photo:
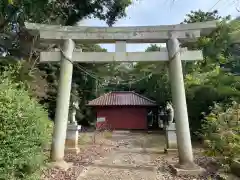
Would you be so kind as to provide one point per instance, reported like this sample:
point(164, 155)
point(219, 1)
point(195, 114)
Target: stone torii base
point(194, 170)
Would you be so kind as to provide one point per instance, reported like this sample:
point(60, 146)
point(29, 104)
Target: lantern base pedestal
point(71, 142)
point(171, 137)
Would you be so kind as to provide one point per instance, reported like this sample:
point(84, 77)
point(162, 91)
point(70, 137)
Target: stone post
point(179, 104)
point(171, 138)
point(71, 143)
point(63, 98)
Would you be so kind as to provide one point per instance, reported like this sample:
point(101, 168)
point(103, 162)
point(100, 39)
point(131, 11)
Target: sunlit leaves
point(221, 132)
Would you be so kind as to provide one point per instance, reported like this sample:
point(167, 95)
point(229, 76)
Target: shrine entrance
point(172, 35)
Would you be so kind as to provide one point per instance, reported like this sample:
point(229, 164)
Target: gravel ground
point(83, 159)
point(109, 154)
point(164, 172)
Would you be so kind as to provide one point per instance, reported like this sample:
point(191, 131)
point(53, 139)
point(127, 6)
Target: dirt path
point(129, 161)
point(139, 156)
point(128, 156)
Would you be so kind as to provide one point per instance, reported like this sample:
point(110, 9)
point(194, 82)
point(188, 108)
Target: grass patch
point(85, 139)
point(107, 134)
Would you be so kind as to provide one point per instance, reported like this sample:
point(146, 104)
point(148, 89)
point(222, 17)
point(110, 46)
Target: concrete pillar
point(179, 103)
point(63, 98)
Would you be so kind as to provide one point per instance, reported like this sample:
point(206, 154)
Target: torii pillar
point(186, 163)
point(63, 100)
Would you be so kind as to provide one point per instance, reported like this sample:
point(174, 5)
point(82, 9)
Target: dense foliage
point(66, 12)
point(221, 132)
point(24, 129)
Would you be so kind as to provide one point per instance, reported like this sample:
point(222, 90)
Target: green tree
point(208, 81)
point(201, 16)
point(149, 79)
point(65, 13)
point(214, 46)
point(234, 60)
point(156, 84)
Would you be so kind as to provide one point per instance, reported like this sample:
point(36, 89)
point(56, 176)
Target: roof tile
point(122, 98)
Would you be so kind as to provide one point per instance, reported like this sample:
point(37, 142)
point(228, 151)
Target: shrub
point(221, 132)
point(199, 98)
point(24, 130)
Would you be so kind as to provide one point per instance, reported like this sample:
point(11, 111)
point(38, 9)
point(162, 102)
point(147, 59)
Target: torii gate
point(170, 34)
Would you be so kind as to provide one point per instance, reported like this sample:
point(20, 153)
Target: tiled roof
point(122, 98)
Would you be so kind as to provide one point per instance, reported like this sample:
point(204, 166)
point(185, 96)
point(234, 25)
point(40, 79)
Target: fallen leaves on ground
point(208, 163)
point(80, 161)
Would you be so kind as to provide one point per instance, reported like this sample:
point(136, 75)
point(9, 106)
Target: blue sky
point(164, 12)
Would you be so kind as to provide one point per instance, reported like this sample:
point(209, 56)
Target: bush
point(24, 130)
point(221, 132)
point(199, 98)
